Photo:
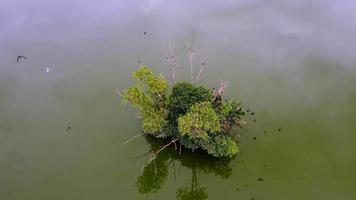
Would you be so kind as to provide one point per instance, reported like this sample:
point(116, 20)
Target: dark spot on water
point(260, 179)
point(245, 185)
point(255, 138)
point(19, 57)
point(264, 165)
point(248, 110)
point(254, 120)
point(145, 33)
point(69, 128)
point(253, 113)
point(252, 198)
point(264, 132)
point(279, 129)
point(237, 189)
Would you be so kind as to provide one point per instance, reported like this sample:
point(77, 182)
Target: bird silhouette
point(20, 57)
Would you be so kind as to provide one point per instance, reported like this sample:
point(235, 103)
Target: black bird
point(20, 57)
point(145, 33)
point(252, 113)
point(279, 129)
point(260, 179)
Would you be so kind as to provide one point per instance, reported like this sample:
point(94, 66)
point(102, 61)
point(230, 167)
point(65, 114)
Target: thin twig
point(154, 154)
point(221, 89)
point(173, 59)
point(134, 137)
point(200, 73)
point(190, 56)
point(118, 92)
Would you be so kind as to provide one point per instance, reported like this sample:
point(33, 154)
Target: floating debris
point(20, 57)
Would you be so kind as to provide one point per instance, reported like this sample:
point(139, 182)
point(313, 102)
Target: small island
point(188, 114)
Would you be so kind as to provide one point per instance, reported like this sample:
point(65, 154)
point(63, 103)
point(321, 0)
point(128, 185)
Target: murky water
point(62, 125)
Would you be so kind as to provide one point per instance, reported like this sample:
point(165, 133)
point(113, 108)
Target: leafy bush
point(195, 116)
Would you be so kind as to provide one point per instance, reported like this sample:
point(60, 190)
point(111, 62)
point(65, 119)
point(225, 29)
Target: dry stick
point(221, 90)
point(201, 70)
point(190, 56)
point(118, 92)
point(154, 154)
point(134, 137)
point(173, 59)
point(170, 64)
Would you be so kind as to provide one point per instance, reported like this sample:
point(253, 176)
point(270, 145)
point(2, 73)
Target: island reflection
point(155, 174)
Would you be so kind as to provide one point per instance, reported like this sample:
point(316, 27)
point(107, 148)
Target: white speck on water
point(47, 70)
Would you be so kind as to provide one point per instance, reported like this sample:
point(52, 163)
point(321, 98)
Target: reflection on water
point(155, 174)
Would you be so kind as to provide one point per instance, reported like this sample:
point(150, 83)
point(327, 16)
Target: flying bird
point(20, 57)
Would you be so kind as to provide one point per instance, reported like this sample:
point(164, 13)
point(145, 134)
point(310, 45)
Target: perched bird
point(20, 57)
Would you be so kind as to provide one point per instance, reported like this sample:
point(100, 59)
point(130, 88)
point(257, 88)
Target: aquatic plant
point(187, 113)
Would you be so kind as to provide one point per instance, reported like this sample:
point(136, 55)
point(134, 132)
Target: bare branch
point(201, 71)
point(221, 89)
point(171, 59)
point(154, 154)
point(191, 56)
point(118, 92)
point(134, 137)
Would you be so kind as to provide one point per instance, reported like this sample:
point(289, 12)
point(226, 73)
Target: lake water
point(62, 125)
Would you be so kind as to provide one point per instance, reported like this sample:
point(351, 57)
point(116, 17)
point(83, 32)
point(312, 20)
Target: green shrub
point(195, 116)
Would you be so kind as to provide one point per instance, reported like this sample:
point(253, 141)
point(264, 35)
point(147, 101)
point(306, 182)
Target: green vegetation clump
point(189, 114)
